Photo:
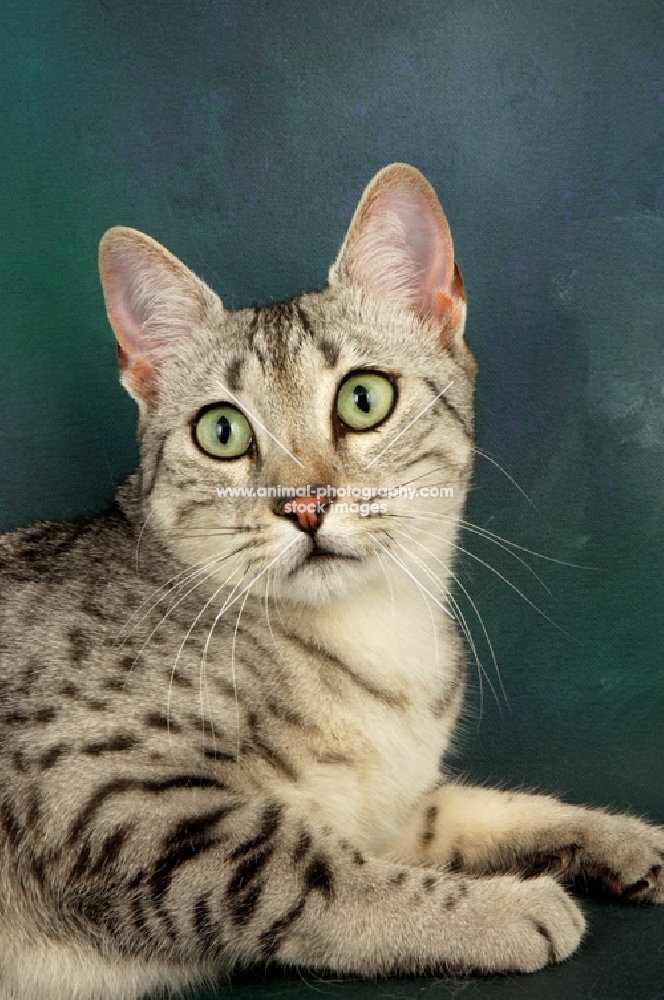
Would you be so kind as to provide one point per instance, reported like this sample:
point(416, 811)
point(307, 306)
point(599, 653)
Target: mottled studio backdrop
point(240, 134)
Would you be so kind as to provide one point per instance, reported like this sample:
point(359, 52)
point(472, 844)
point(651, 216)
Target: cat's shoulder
point(46, 549)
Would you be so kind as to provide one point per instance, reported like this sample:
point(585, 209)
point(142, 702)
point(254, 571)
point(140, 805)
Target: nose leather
point(307, 511)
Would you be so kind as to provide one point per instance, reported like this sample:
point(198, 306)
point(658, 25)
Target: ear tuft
point(399, 246)
point(153, 302)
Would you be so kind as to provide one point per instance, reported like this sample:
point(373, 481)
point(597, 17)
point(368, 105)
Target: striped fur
point(217, 750)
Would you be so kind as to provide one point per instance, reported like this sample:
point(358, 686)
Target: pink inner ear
point(153, 302)
point(400, 244)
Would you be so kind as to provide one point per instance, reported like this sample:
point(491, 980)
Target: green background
point(240, 134)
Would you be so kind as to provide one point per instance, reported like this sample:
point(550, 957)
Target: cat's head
point(364, 386)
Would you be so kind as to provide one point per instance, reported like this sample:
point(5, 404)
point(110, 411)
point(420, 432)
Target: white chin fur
point(319, 583)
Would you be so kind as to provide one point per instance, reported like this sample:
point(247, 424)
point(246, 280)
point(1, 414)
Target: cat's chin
point(324, 578)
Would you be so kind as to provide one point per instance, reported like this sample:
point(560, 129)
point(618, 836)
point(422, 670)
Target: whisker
point(488, 458)
point(202, 670)
point(481, 672)
point(494, 541)
point(184, 641)
point(267, 618)
point(390, 588)
point(408, 573)
point(233, 674)
point(480, 619)
point(219, 559)
point(188, 573)
point(507, 541)
point(230, 602)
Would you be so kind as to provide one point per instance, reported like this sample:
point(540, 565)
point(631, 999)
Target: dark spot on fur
point(429, 826)
point(318, 877)
point(179, 679)
point(79, 646)
point(330, 351)
point(158, 721)
point(398, 878)
point(243, 909)
point(455, 862)
point(110, 849)
point(10, 824)
point(51, 756)
point(114, 744)
point(16, 718)
point(69, 690)
point(301, 847)
point(95, 705)
point(44, 715)
point(116, 684)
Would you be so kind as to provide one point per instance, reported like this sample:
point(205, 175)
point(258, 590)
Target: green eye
point(223, 432)
point(364, 400)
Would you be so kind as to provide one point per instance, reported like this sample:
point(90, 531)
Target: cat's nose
point(306, 511)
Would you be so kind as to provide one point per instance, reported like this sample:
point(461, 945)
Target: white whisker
point(408, 573)
point(234, 678)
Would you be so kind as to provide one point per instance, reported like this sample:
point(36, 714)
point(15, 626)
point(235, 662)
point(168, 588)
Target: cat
point(223, 718)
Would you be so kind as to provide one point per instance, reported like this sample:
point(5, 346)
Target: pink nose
point(307, 511)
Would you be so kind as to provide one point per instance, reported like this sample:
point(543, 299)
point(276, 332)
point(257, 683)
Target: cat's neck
point(390, 632)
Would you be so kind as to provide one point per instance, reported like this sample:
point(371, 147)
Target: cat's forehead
point(319, 333)
point(282, 356)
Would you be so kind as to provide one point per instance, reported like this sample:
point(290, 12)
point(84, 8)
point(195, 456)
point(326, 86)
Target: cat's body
point(222, 722)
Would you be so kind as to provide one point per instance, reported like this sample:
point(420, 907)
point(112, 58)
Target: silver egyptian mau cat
point(223, 718)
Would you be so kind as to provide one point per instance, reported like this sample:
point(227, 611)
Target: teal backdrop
point(240, 134)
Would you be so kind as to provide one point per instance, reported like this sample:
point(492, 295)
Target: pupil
point(223, 430)
point(362, 398)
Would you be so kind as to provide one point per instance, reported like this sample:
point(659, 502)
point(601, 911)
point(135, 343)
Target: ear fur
point(153, 301)
point(399, 246)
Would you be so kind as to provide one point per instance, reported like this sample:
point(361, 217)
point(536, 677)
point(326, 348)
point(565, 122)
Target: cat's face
point(336, 389)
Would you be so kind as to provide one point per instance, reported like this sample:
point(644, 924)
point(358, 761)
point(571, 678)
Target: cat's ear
point(399, 246)
point(153, 303)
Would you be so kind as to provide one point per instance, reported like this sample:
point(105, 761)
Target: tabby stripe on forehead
point(233, 370)
point(449, 406)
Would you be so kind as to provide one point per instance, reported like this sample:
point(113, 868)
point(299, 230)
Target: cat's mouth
point(319, 554)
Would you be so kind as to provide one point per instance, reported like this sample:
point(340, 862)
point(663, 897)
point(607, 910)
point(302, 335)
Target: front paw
point(516, 926)
point(625, 857)
point(618, 855)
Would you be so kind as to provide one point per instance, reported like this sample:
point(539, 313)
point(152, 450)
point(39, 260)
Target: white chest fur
point(380, 744)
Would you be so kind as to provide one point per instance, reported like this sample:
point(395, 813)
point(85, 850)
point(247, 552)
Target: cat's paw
point(522, 925)
point(626, 857)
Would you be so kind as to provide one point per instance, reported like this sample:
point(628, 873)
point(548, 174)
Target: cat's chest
point(378, 691)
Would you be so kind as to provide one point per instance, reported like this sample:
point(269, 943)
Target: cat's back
point(62, 589)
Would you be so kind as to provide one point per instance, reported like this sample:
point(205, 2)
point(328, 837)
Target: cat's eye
point(223, 432)
point(364, 400)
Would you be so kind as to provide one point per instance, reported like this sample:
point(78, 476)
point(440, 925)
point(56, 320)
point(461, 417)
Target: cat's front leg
point(484, 830)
